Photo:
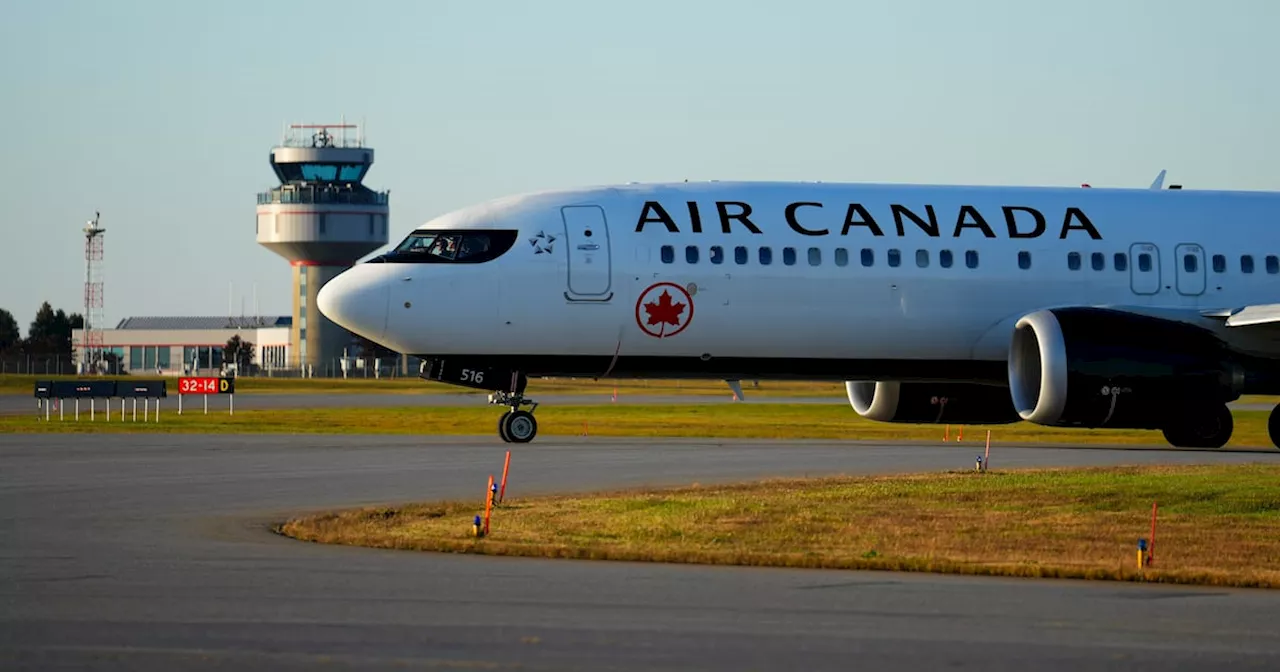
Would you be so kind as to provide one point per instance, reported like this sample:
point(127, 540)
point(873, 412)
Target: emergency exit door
point(1144, 268)
point(586, 235)
point(1189, 258)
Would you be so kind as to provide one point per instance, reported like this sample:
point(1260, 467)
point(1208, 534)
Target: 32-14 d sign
point(206, 386)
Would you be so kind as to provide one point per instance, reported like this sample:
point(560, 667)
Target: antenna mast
point(91, 351)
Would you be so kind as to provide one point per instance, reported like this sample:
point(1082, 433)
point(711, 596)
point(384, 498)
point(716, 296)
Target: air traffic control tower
point(322, 219)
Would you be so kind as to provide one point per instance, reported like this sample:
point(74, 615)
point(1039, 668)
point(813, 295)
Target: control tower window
point(461, 247)
point(321, 172)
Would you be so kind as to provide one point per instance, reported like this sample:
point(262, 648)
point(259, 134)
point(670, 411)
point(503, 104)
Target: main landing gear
point(516, 425)
point(1208, 426)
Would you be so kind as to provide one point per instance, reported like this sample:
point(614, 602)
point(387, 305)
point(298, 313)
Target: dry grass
point(762, 421)
point(1218, 525)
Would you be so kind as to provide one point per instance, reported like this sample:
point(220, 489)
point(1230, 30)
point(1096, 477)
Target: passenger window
point(740, 255)
point(1246, 263)
point(868, 257)
point(1024, 260)
point(789, 256)
point(1219, 263)
point(815, 256)
point(945, 258)
point(717, 254)
point(1121, 261)
point(842, 256)
point(668, 254)
point(922, 258)
point(1073, 261)
point(971, 258)
point(1273, 264)
point(766, 256)
point(1144, 262)
point(1098, 260)
point(895, 258)
point(1189, 263)
point(691, 254)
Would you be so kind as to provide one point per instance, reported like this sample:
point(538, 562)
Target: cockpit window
point(457, 247)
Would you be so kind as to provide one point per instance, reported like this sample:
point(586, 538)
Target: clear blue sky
point(161, 114)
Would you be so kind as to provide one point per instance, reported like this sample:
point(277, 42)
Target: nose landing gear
point(516, 425)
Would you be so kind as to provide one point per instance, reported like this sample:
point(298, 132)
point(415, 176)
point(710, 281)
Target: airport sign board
point(206, 385)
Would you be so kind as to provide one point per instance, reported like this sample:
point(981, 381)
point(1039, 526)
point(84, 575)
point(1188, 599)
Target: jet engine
point(1096, 367)
point(954, 403)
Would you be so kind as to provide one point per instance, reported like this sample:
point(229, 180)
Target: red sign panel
point(206, 386)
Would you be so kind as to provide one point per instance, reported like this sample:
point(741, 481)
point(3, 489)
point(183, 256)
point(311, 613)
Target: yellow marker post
point(1142, 553)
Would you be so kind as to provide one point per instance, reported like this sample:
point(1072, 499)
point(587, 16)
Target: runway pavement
point(152, 552)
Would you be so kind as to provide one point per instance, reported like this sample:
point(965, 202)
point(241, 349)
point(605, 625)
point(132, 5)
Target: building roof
point(193, 323)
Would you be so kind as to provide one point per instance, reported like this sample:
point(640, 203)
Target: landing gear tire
point(502, 427)
point(1207, 427)
point(516, 425)
point(1273, 426)
point(520, 427)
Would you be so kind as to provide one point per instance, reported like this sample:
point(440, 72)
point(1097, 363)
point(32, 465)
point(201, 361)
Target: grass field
point(1217, 525)
point(763, 421)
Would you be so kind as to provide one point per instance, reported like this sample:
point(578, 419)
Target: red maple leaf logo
point(664, 311)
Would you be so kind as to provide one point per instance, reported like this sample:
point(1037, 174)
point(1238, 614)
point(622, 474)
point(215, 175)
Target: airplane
point(1061, 306)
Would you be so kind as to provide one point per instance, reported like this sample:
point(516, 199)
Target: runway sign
point(206, 386)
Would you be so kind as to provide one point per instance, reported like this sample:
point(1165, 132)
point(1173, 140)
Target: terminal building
point(191, 345)
point(323, 219)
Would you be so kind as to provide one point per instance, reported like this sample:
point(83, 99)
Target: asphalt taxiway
point(153, 552)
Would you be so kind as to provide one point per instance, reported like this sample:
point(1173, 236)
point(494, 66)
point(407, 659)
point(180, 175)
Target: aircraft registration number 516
point(457, 373)
point(206, 386)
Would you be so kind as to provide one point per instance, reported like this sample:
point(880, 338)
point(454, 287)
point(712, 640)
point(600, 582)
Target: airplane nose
point(357, 300)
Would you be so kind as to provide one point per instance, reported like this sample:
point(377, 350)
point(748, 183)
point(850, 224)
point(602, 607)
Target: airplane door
point(586, 235)
point(1189, 266)
point(1144, 268)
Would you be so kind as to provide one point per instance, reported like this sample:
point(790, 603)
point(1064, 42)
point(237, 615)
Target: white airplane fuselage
point(862, 281)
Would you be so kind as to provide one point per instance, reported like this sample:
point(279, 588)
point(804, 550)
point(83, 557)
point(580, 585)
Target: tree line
point(48, 335)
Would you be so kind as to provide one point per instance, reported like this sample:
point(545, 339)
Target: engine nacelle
point(1095, 367)
point(932, 403)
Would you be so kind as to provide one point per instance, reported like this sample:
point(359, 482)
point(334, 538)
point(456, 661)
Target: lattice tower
point(91, 354)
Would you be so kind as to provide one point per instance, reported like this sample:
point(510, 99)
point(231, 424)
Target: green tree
point(112, 361)
point(9, 336)
point(50, 332)
point(239, 352)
